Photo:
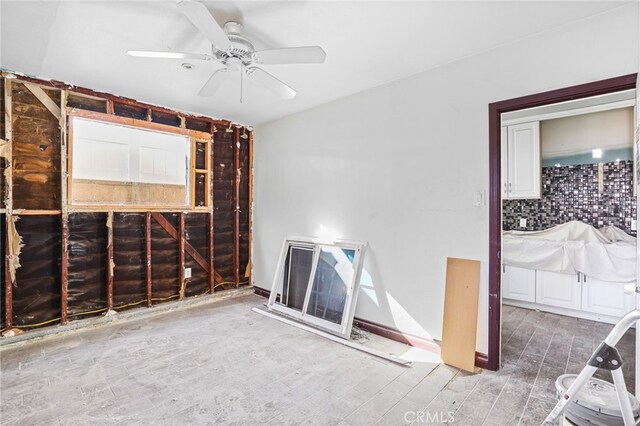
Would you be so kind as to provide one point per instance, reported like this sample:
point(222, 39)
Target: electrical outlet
point(523, 223)
point(187, 273)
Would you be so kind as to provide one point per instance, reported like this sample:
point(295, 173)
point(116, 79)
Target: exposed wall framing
point(78, 262)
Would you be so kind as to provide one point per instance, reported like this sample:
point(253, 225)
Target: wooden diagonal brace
point(169, 229)
point(45, 99)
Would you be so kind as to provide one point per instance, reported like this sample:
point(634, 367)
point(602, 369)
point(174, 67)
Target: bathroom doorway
point(496, 110)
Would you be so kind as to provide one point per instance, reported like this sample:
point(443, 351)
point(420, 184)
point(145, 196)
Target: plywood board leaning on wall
point(461, 313)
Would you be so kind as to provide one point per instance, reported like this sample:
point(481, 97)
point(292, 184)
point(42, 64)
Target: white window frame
point(344, 328)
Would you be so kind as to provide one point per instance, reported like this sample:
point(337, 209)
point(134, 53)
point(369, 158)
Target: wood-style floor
point(221, 363)
point(537, 347)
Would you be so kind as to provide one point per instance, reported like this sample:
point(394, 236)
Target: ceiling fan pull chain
point(241, 75)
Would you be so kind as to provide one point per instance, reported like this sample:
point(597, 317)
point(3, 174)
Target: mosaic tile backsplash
point(571, 193)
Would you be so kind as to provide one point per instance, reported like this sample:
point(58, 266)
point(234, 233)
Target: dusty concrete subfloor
point(223, 364)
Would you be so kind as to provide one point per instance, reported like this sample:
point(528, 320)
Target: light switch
point(523, 223)
point(187, 273)
point(479, 198)
point(634, 225)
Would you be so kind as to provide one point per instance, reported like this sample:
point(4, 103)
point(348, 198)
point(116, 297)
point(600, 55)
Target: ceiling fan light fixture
point(233, 64)
point(235, 52)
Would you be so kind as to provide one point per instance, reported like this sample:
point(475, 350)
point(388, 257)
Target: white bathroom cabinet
point(561, 290)
point(521, 165)
point(519, 284)
point(569, 294)
point(604, 297)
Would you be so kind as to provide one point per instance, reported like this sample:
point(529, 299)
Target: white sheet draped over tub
point(607, 254)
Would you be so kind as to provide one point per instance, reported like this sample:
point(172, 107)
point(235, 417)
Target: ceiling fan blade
point(200, 17)
point(292, 55)
point(168, 55)
point(213, 84)
point(265, 79)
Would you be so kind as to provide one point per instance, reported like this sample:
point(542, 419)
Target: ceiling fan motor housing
point(239, 53)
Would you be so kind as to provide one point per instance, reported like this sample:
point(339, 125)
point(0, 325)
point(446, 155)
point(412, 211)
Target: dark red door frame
point(495, 195)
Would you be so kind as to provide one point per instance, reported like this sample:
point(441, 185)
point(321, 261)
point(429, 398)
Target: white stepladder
point(606, 357)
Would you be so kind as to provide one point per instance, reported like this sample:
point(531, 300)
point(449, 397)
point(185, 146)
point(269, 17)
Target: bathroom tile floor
point(537, 347)
point(221, 363)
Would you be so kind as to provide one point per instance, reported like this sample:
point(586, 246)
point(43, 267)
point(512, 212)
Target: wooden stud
point(149, 118)
point(8, 283)
point(111, 98)
point(210, 163)
point(23, 212)
point(212, 281)
point(250, 206)
point(110, 109)
point(192, 174)
point(147, 239)
point(68, 173)
point(181, 244)
point(236, 204)
point(189, 249)
point(110, 264)
point(48, 103)
point(109, 207)
point(209, 177)
point(133, 122)
point(64, 263)
point(8, 136)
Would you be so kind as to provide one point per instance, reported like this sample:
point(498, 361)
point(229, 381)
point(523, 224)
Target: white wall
point(398, 165)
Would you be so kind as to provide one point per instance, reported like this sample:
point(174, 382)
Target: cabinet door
point(606, 298)
point(523, 153)
point(519, 284)
point(562, 290)
point(504, 163)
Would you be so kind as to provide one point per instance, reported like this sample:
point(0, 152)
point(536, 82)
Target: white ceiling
point(367, 44)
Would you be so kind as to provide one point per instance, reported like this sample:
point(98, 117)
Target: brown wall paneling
point(223, 205)
point(244, 207)
point(129, 284)
point(87, 276)
point(36, 151)
point(196, 225)
point(36, 292)
point(164, 260)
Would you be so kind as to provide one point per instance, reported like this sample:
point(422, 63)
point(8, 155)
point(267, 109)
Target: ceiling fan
point(233, 50)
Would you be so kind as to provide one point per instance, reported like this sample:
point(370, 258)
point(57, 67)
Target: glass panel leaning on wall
point(113, 164)
point(317, 283)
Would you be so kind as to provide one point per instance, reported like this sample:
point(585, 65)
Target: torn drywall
point(15, 247)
